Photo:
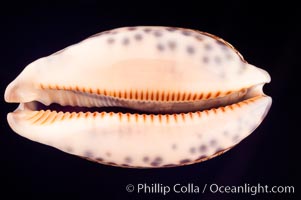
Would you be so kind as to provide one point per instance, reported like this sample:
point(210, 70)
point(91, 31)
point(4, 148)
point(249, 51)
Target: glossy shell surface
point(183, 96)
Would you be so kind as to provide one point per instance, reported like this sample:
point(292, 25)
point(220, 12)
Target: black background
point(266, 35)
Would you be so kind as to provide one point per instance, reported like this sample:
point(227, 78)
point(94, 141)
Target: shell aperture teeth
point(90, 102)
point(142, 97)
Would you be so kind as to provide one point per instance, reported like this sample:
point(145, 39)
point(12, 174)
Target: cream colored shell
point(194, 94)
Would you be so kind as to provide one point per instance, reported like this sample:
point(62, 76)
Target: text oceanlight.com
point(192, 188)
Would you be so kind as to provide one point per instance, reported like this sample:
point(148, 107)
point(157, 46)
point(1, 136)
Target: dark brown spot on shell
point(171, 45)
point(171, 29)
point(186, 33)
point(128, 159)
point(111, 163)
point(147, 30)
point(157, 161)
point(222, 44)
point(217, 59)
point(205, 59)
point(106, 32)
point(110, 40)
point(132, 28)
point(169, 165)
point(154, 164)
point(199, 37)
point(190, 50)
point(203, 148)
point(145, 159)
point(192, 150)
point(138, 37)
point(208, 47)
point(125, 41)
point(158, 33)
point(184, 161)
point(160, 47)
point(212, 142)
point(99, 159)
